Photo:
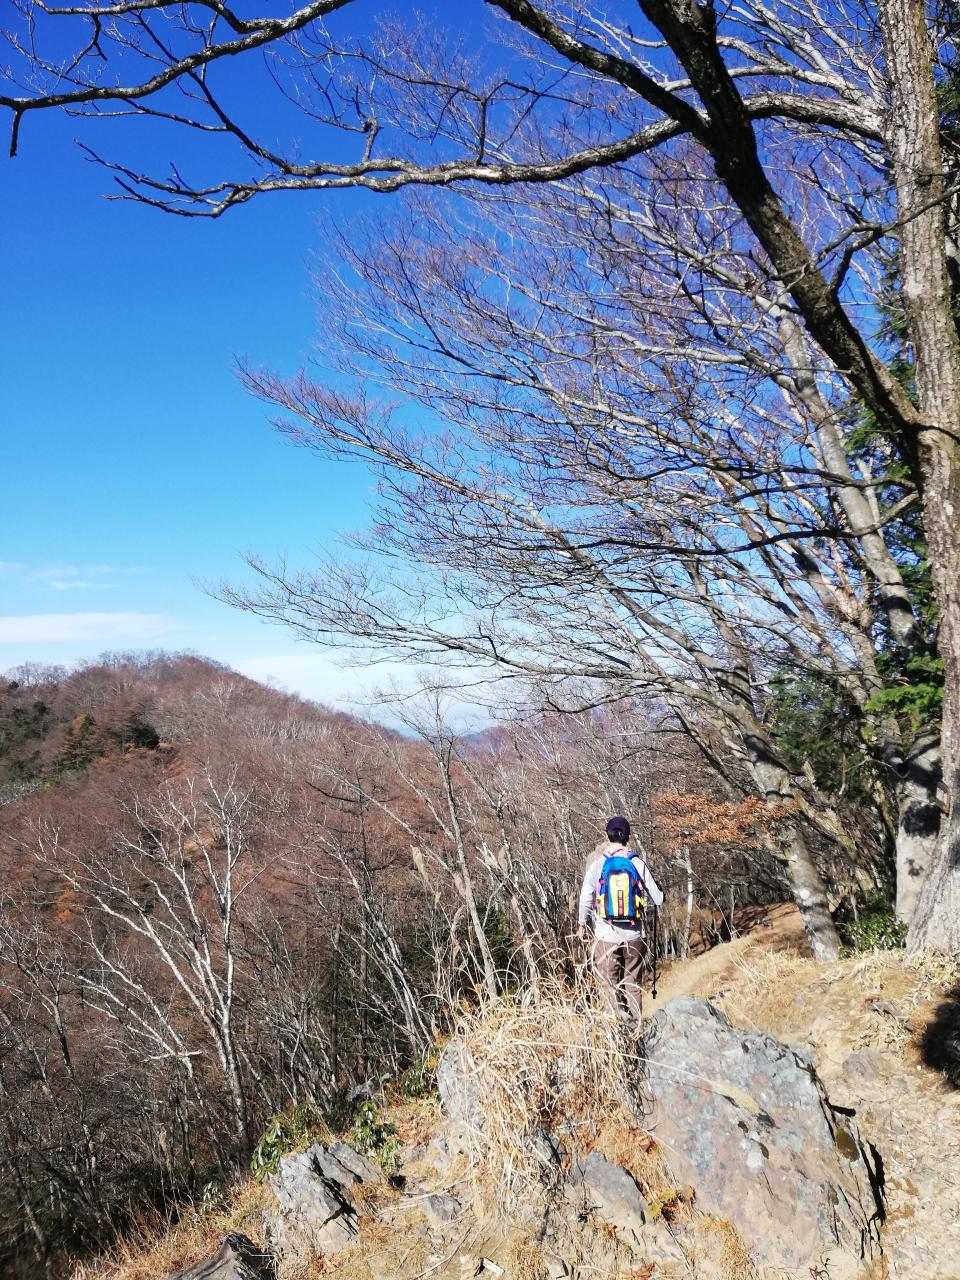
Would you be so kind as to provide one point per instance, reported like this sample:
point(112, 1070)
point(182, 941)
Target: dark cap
point(619, 829)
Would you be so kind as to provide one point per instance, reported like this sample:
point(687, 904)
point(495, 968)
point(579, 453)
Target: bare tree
point(599, 514)
point(163, 895)
point(780, 111)
point(433, 827)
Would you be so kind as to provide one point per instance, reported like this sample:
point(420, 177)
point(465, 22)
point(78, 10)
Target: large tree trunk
point(914, 140)
point(918, 828)
point(810, 895)
point(936, 919)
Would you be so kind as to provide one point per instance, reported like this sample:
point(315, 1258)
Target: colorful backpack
point(620, 897)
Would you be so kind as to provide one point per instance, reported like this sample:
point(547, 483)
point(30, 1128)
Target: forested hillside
point(222, 902)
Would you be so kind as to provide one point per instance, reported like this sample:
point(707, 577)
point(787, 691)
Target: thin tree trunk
point(365, 942)
point(688, 921)
point(806, 882)
point(364, 995)
point(335, 995)
point(230, 1065)
point(43, 1250)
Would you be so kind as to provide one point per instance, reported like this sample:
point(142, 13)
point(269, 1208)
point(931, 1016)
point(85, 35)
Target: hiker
point(616, 887)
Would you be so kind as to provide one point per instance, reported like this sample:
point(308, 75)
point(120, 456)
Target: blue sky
point(136, 468)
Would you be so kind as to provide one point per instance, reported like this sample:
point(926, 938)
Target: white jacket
point(603, 931)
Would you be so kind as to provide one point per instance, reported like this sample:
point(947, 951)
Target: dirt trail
point(869, 1022)
point(775, 929)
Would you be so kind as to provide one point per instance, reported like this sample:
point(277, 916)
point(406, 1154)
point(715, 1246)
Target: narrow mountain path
point(777, 929)
point(875, 1023)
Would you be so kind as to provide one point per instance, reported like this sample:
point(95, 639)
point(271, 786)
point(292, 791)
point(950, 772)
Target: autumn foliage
point(696, 820)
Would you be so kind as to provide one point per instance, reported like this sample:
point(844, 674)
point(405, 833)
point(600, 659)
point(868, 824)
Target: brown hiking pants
point(620, 966)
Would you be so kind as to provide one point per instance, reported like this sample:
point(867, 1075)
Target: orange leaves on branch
point(688, 818)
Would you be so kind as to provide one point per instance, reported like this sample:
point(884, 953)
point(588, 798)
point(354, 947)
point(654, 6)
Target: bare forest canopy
point(221, 902)
point(653, 348)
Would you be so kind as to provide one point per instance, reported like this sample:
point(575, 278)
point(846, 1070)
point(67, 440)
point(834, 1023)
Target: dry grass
point(879, 1000)
point(719, 1251)
point(936, 974)
point(156, 1247)
point(379, 1250)
point(548, 1061)
point(523, 1261)
point(296, 1269)
point(415, 1119)
point(912, 980)
point(763, 987)
point(621, 1140)
point(888, 976)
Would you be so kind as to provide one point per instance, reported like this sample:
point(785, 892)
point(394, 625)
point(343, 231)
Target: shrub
point(420, 1077)
point(375, 1137)
point(871, 925)
point(283, 1134)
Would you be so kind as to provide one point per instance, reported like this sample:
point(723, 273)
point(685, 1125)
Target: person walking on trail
point(616, 888)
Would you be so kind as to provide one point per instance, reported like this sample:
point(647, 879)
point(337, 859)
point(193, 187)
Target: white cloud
point(82, 628)
point(68, 577)
point(385, 691)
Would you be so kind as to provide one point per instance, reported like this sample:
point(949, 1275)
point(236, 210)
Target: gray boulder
point(315, 1213)
point(607, 1192)
point(746, 1121)
point(459, 1094)
point(440, 1209)
point(361, 1168)
point(238, 1259)
point(432, 1156)
point(341, 1165)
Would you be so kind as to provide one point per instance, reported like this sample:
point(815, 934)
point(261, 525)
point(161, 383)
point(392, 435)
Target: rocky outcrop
point(741, 1119)
point(748, 1158)
point(746, 1121)
point(238, 1259)
point(459, 1093)
point(316, 1212)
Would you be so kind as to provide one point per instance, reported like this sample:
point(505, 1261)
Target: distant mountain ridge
point(57, 722)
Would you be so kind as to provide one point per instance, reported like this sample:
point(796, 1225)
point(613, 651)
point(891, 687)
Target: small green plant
point(213, 1198)
point(871, 925)
point(375, 1137)
point(913, 695)
point(667, 1204)
point(420, 1077)
point(283, 1134)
